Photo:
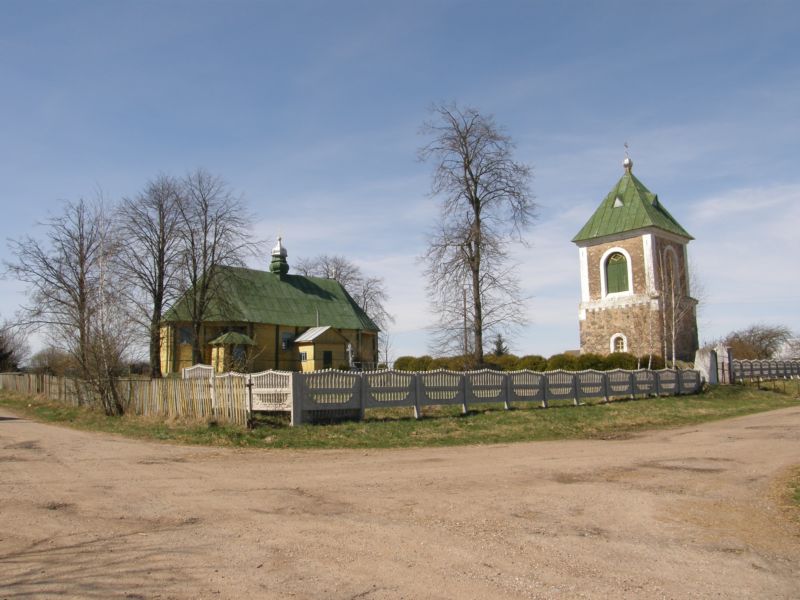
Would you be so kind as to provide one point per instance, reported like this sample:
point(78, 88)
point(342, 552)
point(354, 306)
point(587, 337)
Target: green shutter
point(616, 274)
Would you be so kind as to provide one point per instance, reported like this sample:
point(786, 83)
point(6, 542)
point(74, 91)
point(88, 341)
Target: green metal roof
point(252, 296)
point(628, 207)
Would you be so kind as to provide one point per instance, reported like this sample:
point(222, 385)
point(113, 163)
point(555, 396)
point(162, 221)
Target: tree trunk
point(477, 322)
point(155, 347)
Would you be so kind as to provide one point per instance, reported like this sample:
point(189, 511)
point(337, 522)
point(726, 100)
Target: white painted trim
point(602, 266)
point(583, 256)
point(649, 271)
point(613, 339)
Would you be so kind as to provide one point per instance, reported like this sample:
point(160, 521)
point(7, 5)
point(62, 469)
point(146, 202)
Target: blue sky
point(311, 111)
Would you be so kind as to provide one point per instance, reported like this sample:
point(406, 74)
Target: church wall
point(640, 321)
point(268, 352)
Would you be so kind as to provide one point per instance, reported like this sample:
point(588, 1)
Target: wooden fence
point(752, 370)
point(223, 398)
point(233, 397)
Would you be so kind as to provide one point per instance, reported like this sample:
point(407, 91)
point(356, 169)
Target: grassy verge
point(390, 428)
point(794, 490)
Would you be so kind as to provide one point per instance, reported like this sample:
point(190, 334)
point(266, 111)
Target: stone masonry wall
point(634, 247)
point(638, 322)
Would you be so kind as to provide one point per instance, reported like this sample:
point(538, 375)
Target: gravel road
point(683, 513)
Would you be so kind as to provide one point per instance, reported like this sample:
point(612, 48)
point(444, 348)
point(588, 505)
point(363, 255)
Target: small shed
point(229, 350)
point(323, 348)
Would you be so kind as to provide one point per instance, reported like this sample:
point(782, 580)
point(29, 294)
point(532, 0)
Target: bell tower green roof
point(629, 206)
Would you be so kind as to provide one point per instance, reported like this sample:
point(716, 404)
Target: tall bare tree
point(486, 203)
point(214, 232)
point(61, 272)
point(75, 294)
point(150, 253)
point(369, 292)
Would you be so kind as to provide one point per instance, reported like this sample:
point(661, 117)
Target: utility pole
point(466, 349)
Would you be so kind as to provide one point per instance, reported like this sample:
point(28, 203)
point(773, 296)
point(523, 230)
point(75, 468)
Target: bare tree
point(369, 292)
point(757, 341)
point(386, 351)
point(485, 204)
point(75, 294)
point(52, 361)
point(214, 232)
point(678, 308)
point(62, 276)
point(149, 255)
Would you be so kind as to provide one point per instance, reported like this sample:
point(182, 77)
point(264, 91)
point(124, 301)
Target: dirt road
point(686, 513)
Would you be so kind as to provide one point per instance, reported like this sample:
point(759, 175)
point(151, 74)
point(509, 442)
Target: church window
point(185, 335)
point(617, 274)
point(618, 343)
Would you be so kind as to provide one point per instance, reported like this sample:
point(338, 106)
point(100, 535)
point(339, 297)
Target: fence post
point(576, 401)
point(296, 398)
point(213, 385)
point(545, 385)
point(464, 385)
point(605, 387)
point(506, 391)
point(678, 382)
point(417, 396)
point(362, 395)
point(249, 385)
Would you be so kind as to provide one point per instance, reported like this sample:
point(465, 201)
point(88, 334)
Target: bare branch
point(368, 292)
point(486, 203)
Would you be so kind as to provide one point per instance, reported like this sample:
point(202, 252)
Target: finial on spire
point(279, 250)
point(278, 265)
point(627, 162)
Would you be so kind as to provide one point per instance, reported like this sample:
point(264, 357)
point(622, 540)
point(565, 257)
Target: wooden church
point(634, 270)
point(260, 320)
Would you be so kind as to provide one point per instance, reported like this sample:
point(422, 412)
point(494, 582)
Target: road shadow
point(129, 565)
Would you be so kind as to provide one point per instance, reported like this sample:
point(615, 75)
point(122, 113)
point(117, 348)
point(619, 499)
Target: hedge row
point(509, 362)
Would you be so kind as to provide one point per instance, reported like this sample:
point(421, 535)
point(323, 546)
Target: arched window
point(619, 343)
point(617, 274)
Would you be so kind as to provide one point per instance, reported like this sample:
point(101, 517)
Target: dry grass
point(483, 424)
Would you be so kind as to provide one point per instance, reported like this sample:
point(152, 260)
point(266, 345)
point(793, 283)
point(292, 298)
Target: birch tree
point(677, 306)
